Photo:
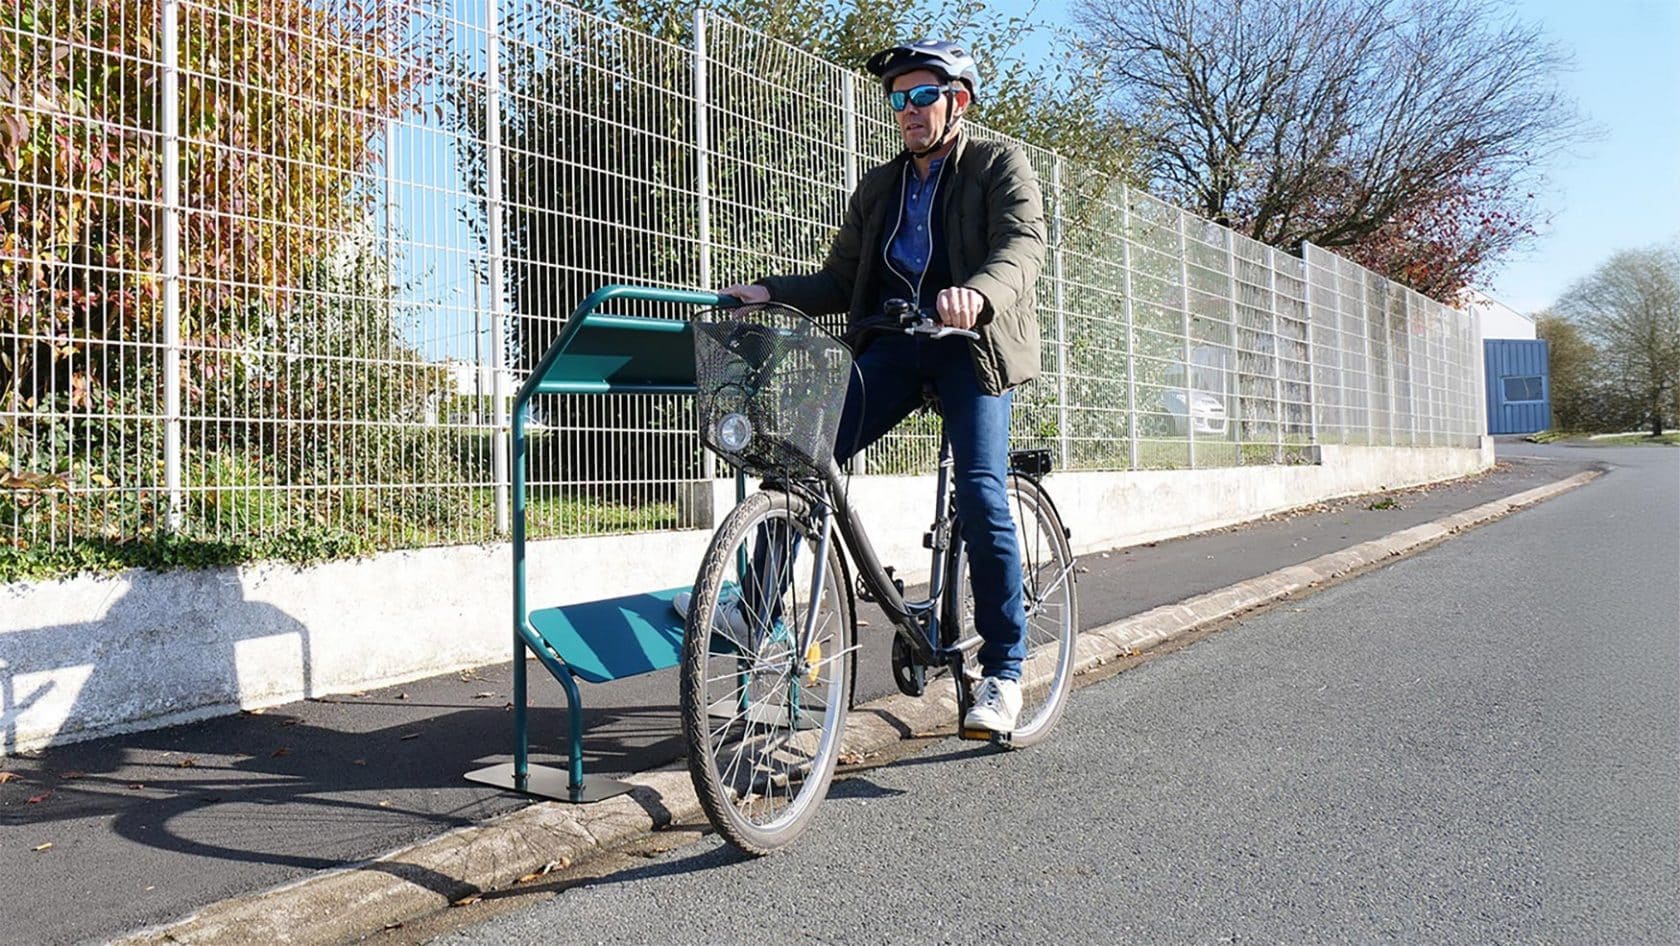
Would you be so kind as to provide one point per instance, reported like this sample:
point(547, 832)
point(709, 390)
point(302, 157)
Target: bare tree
point(1630, 309)
point(1407, 132)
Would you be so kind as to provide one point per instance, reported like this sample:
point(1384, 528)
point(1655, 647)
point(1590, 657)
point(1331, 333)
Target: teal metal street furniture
point(598, 641)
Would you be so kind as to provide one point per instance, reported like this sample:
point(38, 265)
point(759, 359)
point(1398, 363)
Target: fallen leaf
point(187, 764)
point(42, 847)
point(252, 712)
point(280, 752)
point(394, 926)
point(384, 803)
point(468, 900)
point(851, 758)
point(546, 869)
point(8, 777)
point(358, 762)
point(410, 735)
point(136, 786)
point(483, 696)
point(37, 799)
point(402, 696)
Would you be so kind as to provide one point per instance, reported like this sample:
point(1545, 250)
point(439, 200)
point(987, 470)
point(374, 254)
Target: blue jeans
point(885, 389)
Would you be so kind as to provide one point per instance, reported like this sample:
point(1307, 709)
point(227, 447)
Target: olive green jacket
point(994, 241)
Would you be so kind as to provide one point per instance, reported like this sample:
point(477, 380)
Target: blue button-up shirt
point(913, 243)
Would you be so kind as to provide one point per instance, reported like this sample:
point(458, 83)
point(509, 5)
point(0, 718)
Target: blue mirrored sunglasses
point(920, 96)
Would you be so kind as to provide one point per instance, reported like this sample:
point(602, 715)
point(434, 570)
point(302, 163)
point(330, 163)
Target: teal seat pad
point(614, 637)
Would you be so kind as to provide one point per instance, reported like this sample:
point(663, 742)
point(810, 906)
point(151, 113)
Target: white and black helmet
point(948, 59)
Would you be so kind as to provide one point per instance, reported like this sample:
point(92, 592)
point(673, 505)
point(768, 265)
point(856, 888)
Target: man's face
point(921, 126)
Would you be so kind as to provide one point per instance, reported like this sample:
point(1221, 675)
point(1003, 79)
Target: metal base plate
point(758, 713)
point(546, 782)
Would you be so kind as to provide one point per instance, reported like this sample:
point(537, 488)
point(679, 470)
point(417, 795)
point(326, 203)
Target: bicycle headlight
point(734, 432)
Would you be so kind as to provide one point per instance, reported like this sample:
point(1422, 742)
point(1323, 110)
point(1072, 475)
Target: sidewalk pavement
point(324, 820)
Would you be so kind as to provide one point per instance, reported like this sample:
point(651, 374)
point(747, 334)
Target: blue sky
point(1621, 191)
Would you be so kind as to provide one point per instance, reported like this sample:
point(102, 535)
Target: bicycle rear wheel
point(1051, 602)
point(763, 710)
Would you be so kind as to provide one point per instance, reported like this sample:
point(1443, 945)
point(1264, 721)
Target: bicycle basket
point(770, 385)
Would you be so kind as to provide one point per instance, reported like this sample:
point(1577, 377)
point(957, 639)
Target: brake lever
point(934, 329)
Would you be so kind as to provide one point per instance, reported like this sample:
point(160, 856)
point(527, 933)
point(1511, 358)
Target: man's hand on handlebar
point(960, 307)
point(748, 293)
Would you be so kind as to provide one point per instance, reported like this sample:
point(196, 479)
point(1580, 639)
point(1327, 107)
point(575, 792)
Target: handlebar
point(915, 320)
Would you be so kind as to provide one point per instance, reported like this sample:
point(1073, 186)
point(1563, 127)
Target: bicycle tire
point(762, 717)
point(1051, 601)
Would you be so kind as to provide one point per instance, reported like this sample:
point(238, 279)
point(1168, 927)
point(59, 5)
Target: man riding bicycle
point(956, 226)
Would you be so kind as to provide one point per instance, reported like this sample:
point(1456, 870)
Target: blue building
point(1519, 385)
point(1516, 370)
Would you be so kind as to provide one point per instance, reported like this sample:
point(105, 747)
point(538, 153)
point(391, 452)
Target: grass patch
point(1671, 438)
point(547, 516)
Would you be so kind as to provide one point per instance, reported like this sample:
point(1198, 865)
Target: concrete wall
point(95, 656)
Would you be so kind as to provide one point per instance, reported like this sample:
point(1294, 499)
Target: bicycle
point(770, 642)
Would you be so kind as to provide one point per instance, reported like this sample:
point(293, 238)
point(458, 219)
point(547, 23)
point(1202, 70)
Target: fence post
point(703, 183)
point(1312, 361)
point(1126, 311)
point(171, 172)
point(1057, 236)
point(1370, 369)
point(849, 134)
point(494, 264)
point(390, 220)
point(1238, 417)
point(1393, 363)
point(1277, 356)
point(1184, 313)
point(1411, 364)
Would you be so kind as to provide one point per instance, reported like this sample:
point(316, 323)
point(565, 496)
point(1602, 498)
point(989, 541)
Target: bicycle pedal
point(1002, 740)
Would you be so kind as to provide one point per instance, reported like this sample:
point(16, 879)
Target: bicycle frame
point(917, 621)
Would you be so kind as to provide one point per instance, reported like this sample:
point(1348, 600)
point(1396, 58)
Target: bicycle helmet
point(946, 58)
point(941, 57)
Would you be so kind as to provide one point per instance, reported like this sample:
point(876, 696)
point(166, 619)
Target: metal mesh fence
point(278, 268)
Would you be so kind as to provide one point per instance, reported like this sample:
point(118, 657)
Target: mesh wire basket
point(770, 387)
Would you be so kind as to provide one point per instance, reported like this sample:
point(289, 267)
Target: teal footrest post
point(596, 641)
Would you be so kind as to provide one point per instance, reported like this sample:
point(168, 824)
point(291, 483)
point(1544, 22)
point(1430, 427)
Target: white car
point(1205, 413)
point(1205, 416)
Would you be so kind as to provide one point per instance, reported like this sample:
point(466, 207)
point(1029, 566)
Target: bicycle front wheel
point(767, 655)
point(1051, 604)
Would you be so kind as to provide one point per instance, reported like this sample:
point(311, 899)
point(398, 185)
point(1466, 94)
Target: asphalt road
point(151, 826)
point(1480, 744)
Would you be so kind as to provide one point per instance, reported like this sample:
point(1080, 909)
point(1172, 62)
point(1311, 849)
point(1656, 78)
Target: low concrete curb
point(342, 905)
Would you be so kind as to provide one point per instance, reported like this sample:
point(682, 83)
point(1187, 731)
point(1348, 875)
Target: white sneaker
point(997, 703)
point(731, 622)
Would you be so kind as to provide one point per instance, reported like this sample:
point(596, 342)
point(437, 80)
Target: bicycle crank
point(909, 673)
